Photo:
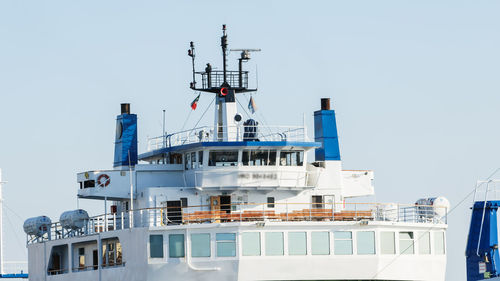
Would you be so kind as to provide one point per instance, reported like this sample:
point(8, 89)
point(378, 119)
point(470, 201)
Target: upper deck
point(239, 135)
point(260, 213)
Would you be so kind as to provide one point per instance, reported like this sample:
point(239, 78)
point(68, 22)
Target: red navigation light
point(223, 91)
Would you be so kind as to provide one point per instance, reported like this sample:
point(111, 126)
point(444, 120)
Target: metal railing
point(230, 133)
point(215, 78)
point(248, 212)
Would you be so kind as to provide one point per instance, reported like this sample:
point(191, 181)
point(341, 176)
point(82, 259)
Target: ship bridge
point(269, 161)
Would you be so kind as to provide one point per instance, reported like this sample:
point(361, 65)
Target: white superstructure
point(238, 201)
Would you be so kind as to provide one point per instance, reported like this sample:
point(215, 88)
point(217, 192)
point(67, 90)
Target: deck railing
point(252, 212)
point(231, 133)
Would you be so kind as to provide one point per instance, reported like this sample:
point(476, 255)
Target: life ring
point(223, 91)
point(103, 180)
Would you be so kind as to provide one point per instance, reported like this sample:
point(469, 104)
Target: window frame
point(404, 251)
point(382, 249)
point(225, 242)
point(335, 245)
point(267, 250)
point(170, 248)
point(209, 245)
point(292, 245)
point(374, 243)
point(314, 243)
point(151, 247)
point(243, 243)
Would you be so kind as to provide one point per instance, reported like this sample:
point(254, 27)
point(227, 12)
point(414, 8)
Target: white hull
point(138, 266)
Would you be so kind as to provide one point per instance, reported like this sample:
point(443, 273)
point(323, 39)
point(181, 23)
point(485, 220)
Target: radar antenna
point(245, 56)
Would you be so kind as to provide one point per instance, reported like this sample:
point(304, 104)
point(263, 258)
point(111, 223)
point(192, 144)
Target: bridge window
point(251, 243)
point(193, 160)
point(297, 243)
point(406, 243)
point(200, 245)
point(366, 242)
point(439, 248)
point(320, 242)
point(87, 184)
point(200, 159)
point(424, 243)
point(176, 245)
point(187, 161)
point(259, 157)
point(343, 242)
point(291, 158)
point(223, 158)
point(226, 244)
point(156, 246)
point(387, 243)
point(274, 244)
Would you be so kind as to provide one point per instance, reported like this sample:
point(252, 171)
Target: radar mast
point(224, 84)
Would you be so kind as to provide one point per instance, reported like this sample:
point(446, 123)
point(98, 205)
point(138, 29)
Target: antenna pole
point(1, 224)
point(192, 55)
point(131, 215)
point(163, 133)
point(223, 40)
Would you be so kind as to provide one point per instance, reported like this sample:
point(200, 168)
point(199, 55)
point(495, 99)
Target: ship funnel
point(325, 132)
point(126, 138)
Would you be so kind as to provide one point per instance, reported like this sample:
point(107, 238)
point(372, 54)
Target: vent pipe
point(125, 108)
point(325, 104)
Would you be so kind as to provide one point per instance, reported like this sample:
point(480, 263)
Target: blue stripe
point(229, 144)
point(14, 275)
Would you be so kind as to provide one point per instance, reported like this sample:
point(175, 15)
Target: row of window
point(256, 157)
point(274, 243)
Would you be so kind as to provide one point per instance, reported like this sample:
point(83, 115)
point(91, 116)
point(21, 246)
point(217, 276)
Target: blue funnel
point(126, 138)
point(325, 131)
point(482, 258)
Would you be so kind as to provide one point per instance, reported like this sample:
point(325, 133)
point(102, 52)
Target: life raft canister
point(103, 180)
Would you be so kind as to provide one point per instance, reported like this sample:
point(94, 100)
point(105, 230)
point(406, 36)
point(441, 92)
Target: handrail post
point(286, 202)
point(398, 210)
point(263, 211)
point(333, 209)
point(356, 210)
point(310, 210)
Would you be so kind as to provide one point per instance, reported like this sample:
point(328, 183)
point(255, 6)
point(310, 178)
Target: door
point(225, 203)
point(317, 202)
point(95, 262)
point(56, 264)
point(214, 203)
point(174, 211)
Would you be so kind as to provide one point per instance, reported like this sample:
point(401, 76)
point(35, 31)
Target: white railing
point(245, 212)
point(229, 133)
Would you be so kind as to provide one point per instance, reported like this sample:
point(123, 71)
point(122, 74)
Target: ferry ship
point(236, 201)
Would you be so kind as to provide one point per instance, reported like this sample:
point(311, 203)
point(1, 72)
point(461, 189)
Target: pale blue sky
point(414, 84)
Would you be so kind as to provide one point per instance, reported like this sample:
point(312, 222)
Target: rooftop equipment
point(37, 226)
point(74, 220)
